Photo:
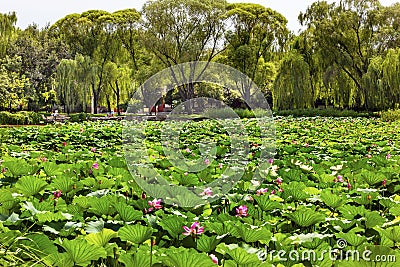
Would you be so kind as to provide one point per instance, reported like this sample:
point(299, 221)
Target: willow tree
point(391, 77)
point(345, 33)
point(66, 86)
point(292, 86)
point(178, 31)
point(127, 25)
point(257, 34)
point(7, 28)
point(91, 34)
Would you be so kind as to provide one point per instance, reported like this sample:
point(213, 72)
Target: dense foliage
point(346, 56)
point(331, 179)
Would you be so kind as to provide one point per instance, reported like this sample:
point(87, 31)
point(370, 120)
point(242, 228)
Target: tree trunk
point(117, 95)
point(95, 99)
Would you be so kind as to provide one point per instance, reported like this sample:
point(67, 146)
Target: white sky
point(49, 11)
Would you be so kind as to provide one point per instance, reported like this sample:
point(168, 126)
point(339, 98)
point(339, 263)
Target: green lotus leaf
point(51, 169)
point(207, 243)
point(332, 200)
point(181, 257)
point(305, 217)
point(173, 225)
point(127, 213)
point(393, 233)
point(238, 254)
point(101, 238)
point(135, 233)
point(29, 185)
point(81, 252)
point(266, 204)
point(252, 234)
point(63, 183)
point(373, 218)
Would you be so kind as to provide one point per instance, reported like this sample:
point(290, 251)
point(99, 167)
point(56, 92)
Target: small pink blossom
point(188, 150)
point(207, 161)
point(348, 186)
point(388, 156)
point(3, 170)
point(194, 230)
point(306, 145)
point(273, 192)
point(143, 196)
point(220, 165)
point(186, 173)
point(241, 211)
point(340, 178)
point(155, 204)
point(270, 161)
point(261, 191)
point(95, 166)
point(369, 156)
point(384, 182)
point(57, 194)
point(279, 181)
point(64, 143)
point(93, 149)
point(207, 192)
point(280, 190)
point(43, 159)
point(214, 258)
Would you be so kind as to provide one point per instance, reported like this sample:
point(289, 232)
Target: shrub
point(20, 118)
point(79, 117)
point(390, 115)
point(329, 112)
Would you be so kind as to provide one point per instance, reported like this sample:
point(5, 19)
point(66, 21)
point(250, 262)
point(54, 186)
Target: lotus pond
point(67, 198)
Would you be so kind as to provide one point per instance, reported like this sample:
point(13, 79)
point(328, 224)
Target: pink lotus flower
point(214, 258)
point(388, 156)
point(57, 194)
point(340, 178)
point(261, 191)
point(279, 181)
point(155, 204)
point(207, 192)
point(207, 161)
point(95, 166)
point(241, 211)
point(194, 230)
point(93, 149)
point(384, 182)
point(188, 150)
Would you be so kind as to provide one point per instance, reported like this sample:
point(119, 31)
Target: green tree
point(183, 31)
point(345, 35)
point(292, 86)
point(258, 34)
point(12, 83)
